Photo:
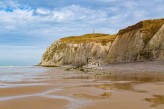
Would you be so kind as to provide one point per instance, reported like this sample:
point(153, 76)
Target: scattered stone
point(68, 69)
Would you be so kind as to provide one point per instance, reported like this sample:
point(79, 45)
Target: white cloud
point(74, 17)
point(139, 14)
point(62, 15)
point(131, 4)
point(31, 18)
point(22, 24)
point(42, 11)
point(4, 4)
point(106, 0)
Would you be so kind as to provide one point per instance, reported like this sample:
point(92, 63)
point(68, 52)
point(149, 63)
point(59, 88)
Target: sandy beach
point(81, 54)
point(117, 86)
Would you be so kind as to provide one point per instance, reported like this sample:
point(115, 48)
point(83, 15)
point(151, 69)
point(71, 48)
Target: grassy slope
point(148, 27)
point(102, 38)
point(97, 37)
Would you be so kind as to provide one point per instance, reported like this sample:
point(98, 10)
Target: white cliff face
point(156, 45)
point(141, 42)
point(130, 47)
point(126, 47)
point(61, 53)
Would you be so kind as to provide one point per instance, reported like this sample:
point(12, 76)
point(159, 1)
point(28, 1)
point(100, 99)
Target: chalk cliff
point(143, 41)
point(81, 50)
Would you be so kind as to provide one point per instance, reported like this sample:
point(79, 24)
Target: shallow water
point(91, 90)
point(119, 82)
point(156, 100)
point(19, 73)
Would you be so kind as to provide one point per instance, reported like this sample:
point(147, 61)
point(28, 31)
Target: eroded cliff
point(140, 42)
point(81, 50)
point(143, 41)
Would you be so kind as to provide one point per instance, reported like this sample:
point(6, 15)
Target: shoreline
point(115, 87)
point(137, 65)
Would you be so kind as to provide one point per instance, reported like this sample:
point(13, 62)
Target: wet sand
point(118, 86)
point(12, 91)
point(34, 103)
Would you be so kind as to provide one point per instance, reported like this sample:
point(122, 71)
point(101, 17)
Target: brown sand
point(34, 103)
point(22, 90)
point(121, 100)
point(106, 89)
point(126, 100)
point(156, 89)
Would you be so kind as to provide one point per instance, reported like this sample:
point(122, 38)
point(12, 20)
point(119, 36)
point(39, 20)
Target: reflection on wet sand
point(119, 76)
point(91, 90)
point(156, 100)
point(115, 82)
point(102, 96)
point(115, 86)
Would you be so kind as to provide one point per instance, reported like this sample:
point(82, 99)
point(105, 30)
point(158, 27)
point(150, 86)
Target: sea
point(20, 73)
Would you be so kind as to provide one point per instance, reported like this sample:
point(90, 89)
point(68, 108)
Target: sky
point(28, 27)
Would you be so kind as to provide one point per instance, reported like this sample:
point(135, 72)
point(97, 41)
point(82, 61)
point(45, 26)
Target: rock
point(78, 53)
point(140, 42)
point(143, 41)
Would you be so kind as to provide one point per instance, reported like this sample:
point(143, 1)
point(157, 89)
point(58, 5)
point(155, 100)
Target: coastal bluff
point(143, 41)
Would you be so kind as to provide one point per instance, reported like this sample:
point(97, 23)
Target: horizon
point(28, 27)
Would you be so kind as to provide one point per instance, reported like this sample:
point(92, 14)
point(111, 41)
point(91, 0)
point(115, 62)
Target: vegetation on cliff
point(147, 27)
point(97, 37)
point(131, 44)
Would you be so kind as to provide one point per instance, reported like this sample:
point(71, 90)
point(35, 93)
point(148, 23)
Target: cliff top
point(145, 25)
point(148, 27)
point(97, 37)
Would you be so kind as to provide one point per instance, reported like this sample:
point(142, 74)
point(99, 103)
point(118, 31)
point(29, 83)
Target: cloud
point(40, 18)
point(39, 23)
point(42, 11)
point(63, 21)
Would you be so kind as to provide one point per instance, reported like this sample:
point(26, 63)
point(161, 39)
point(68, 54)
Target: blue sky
point(28, 27)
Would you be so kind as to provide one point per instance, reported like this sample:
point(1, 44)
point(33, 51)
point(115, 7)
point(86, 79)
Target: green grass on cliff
point(97, 37)
point(147, 27)
point(150, 28)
